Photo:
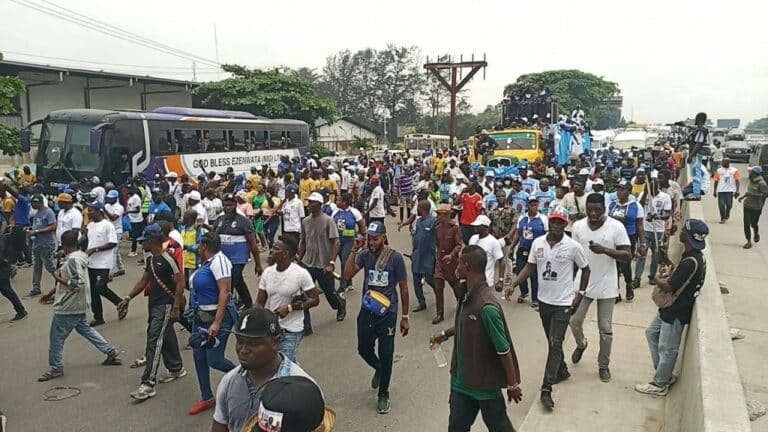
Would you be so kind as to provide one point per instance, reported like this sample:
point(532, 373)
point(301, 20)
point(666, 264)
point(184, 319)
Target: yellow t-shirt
point(266, 210)
point(637, 189)
point(8, 205)
point(439, 166)
point(332, 187)
point(255, 179)
point(26, 179)
point(189, 237)
point(306, 187)
point(250, 195)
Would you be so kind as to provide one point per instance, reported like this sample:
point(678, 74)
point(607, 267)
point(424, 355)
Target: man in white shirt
point(69, 217)
point(658, 209)
point(605, 241)
point(492, 248)
point(376, 210)
point(553, 257)
point(101, 240)
point(727, 180)
point(346, 179)
point(293, 213)
point(114, 211)
point(135, 217)
point(97, 189)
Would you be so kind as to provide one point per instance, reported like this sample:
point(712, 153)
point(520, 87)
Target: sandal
point(139, 362)
point(112, 359)
point(522, 298)
point(51, 374)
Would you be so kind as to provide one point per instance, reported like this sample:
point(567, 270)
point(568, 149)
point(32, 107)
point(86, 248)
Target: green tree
point(758, 124)
point(572, 87)
point(10, 138)
point(267, 93)
point(466, 123)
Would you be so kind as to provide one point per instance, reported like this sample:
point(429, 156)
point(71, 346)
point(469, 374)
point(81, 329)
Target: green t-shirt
point(494, 327)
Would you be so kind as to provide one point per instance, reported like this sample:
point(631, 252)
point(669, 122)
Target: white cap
point(598, 181)
point(481, 220)
point(171, 174)
point(484, 132)
point(584, 171)
point(195, 195)
point(490, 173)
point(216, 177)
point(315, 196)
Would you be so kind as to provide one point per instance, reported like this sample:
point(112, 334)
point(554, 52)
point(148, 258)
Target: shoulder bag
point(665, 299)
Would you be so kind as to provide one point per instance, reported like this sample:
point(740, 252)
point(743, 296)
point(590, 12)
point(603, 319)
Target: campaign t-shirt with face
point(346, 221)
point(384, 281)
point(493, 252)
point(554, 266)
point(99, 234)
point(603, 278)
point(281, 287)
point(659, 204)
point(726, 179)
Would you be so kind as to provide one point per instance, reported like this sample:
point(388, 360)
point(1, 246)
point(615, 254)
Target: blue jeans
point(653, 241)
point(345, 248)
point(270, 229)
point(214, 357)
point(43, 255)
point(696, 173)
point(289, 344)
point(521, 260)
point(371, 327)
point(61, 327)
point(724, 204)
point(7, 291)
point(664, 343)
point(417, 287)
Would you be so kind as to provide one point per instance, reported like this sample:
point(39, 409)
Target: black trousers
point(99, 279)
point(555, 321)
point(20, 246)
point(463, 412)
point(327, 284)
point(625, 268)
point(751, 219)
point(241, 288)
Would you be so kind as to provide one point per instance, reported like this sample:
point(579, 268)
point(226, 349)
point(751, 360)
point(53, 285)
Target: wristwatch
point(290, 308)
point(127, 298)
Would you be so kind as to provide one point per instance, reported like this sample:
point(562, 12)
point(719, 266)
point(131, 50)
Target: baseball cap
point(228, 197)
point(171, 174)
point(156, 191)
point(316, 196)
point(200, 339)
point(95, 180)
point(481, 220)
point(65, 197)
point(257, 323)
point(443, 208)
point(96, 205)
point(697, 232)
point(533, 198)
point(484, 132)
point(640, 170)
point(201, 176)
point(195, 195)
point(113, 194)
point(584, 171)
point(291, 404)
point(376, 229)
point(756, 169)
point(490, 173)
point(559, 213)
point(624, 184)
point(36, 198)
point(291, 188)
point(151, 232)
point(598, 181)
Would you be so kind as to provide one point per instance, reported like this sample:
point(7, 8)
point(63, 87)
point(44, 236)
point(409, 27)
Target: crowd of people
point(483, 234)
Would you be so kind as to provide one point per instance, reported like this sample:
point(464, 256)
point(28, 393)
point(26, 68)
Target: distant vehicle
point(502, 166)
point(735, 135)
point(524, 144)
point(738, 151)
point(759, 157)
point(415, 143)
point(379, 154)
point(631, 138)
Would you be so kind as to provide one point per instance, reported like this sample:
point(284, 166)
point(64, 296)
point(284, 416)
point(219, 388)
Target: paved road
point(419, 388)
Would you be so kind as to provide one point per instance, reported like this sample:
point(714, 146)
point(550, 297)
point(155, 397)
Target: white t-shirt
point(281, 287)
point(178, 195)
point(99, 192)
point(202, 212)
point(554, 266)
point(213, 208)
point(493, 252)
point(116, 209)
point(100, 234)
point(377, 211)
point(293, 213)
point(346, 180)
point(68, 220)
point(726, 179)
point(603, 278)
point(134, 203)
point(655, 206)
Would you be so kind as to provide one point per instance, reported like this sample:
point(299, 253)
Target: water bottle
point(437, 351)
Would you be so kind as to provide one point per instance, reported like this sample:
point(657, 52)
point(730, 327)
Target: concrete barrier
point(709, 396)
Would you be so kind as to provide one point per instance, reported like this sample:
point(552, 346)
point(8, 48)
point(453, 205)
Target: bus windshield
point(515, 141)
point(68, 144)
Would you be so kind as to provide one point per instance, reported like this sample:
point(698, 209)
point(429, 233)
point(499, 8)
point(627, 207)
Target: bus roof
point(85, 115)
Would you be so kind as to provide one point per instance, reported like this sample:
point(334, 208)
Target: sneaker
point(342, 312)
point(692, 197)
point(144, 392)
point(672, 381)
point(438, 319)
point(33, 294)
point(562, 377)
point(577, 353)
point(308, 331)
point(375, 380)
point(546, 400)
point(201, 406)
point(651, 389)
point(132, 254)
point(605, 374)
point(419, 308)
point(20, 316)
point(630, 295)
point(535, 305)
point(96, 322)
point(119, 273)
point(651, 281)
point(383, 406)
point(173, 376)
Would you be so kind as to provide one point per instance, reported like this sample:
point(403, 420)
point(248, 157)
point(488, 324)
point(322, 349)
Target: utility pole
point(194, 71)
point(455, 68)
point(216, 46)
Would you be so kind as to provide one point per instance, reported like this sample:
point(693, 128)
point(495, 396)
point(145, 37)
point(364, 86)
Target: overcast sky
point(670, 58)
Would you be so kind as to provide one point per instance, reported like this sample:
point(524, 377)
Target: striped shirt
point(233, 230)
point(405, 184)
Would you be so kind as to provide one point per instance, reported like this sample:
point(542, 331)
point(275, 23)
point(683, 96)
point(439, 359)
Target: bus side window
point(293, 139)
point(214, 141)
point(238, 140)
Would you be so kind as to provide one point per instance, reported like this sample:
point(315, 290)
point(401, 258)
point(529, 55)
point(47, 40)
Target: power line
point(107, 63)
point(115, 32)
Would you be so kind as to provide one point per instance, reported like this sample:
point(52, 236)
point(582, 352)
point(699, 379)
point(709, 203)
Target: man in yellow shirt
point(254, 178)
point(307, 185)
point(331, 185)
point(27, 177)
point(638, 183)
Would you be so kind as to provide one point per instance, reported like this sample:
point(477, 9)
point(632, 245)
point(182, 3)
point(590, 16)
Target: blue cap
point(756, 169)
point(113, 194)
point(376, 229)
point(96, 205)
point(69, 191)
point(291, 188)
point(697, 232)
point(523, 164)
point(200, 340)
point(201, 176)
point(151, 232)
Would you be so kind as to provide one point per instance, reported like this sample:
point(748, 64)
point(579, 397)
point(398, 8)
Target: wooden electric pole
point(455, 69)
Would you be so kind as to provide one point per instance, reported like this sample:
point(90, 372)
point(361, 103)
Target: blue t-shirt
point(385, 281)
point(626, 214)
point(21, 211)
point(529, 229)
point(519, 201)
point(233, 231)
point(42, 219)
point(545, 199)
point(346, 224)
point(155, 209)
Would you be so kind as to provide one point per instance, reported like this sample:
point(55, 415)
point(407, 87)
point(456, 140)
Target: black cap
point(257, 323)
point(228, 197)
point(293, 404)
